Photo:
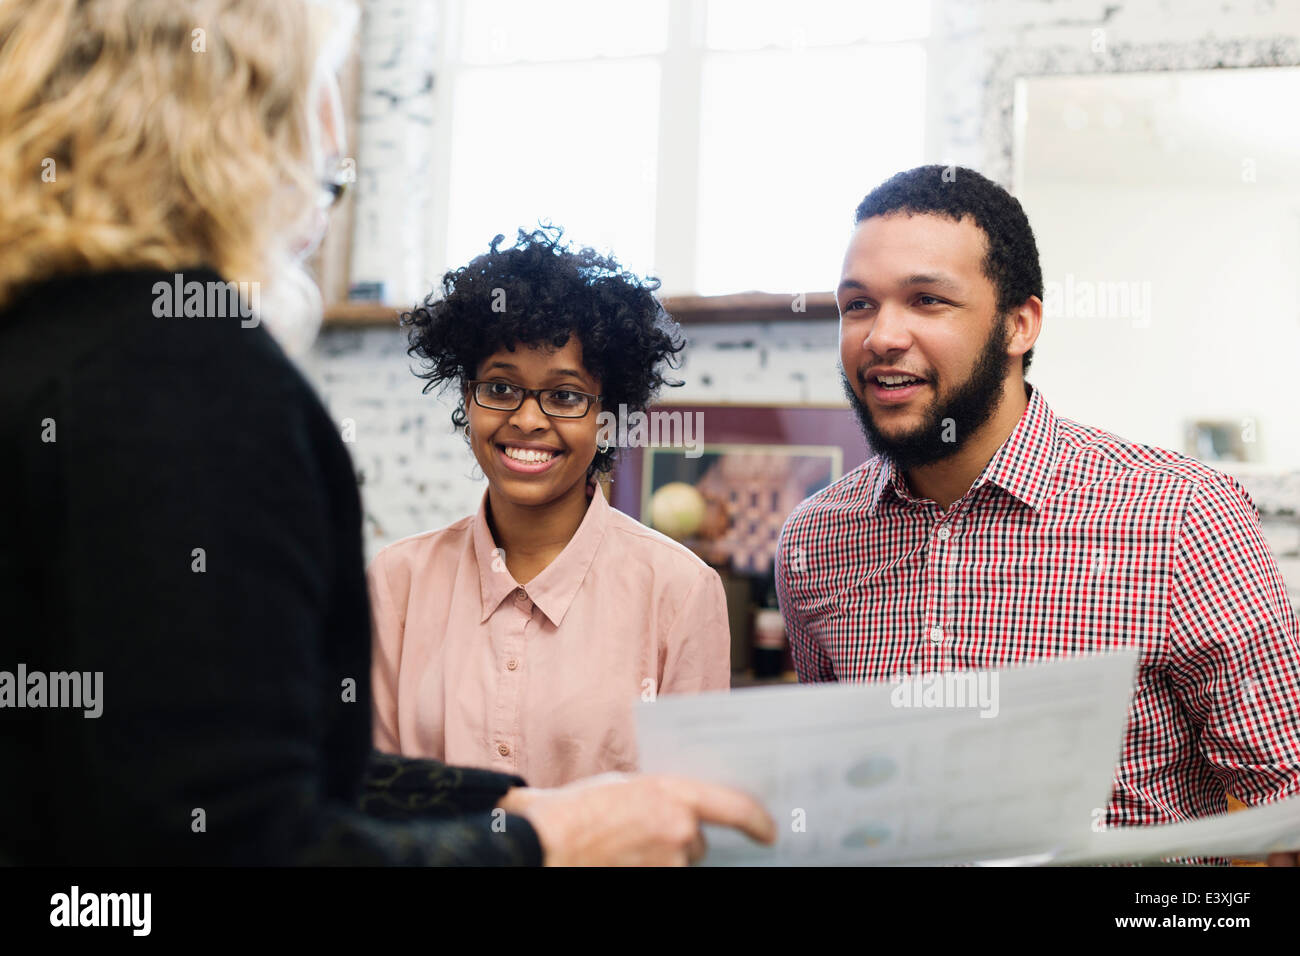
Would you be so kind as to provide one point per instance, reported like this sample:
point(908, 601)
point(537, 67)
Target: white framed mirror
point(1166, 206)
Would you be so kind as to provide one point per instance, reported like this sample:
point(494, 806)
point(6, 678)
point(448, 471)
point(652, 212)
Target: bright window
point(570, 142)
point(791, 142)
point(720, 144)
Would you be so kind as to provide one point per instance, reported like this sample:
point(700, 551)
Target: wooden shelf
point(362, 313)
point(686, 309)
point(750, 307)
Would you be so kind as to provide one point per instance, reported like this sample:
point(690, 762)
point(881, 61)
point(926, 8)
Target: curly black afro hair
point(1011, 263)
point(538, 293)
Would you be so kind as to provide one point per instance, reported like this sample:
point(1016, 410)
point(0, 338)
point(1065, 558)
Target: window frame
point(677, 172)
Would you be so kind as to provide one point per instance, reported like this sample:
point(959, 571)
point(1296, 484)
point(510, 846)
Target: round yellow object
point(677, 510)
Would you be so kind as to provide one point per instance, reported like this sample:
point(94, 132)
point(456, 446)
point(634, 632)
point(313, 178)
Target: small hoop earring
point(603, 448)
point(472, 476)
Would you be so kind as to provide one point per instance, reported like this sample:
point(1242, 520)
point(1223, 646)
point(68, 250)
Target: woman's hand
point(634, 820)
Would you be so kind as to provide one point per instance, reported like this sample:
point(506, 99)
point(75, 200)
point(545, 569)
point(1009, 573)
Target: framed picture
point(1224, 440)
point(727, 492)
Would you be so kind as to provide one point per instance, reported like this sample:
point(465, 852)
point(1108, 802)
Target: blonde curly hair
point(158, 133)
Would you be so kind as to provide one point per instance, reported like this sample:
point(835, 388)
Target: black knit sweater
point(178, 513)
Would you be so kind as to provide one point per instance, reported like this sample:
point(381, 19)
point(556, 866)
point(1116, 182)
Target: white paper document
point(1245, 835)
point(996, 767)
point(978, 766)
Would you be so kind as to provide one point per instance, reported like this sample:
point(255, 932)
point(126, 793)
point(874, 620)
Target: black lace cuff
point(407, 788)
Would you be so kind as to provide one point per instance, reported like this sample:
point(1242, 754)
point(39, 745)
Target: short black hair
point(1011, 263)
point(538, 293)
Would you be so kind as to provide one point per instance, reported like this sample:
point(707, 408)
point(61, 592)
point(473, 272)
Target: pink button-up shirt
point(540, 681)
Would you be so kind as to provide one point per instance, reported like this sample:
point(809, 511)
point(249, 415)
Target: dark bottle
point(769, 635)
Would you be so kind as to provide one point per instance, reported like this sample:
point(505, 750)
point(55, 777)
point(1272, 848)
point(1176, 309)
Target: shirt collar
point(887, 476)
point(1022, 466)
point(555, 588)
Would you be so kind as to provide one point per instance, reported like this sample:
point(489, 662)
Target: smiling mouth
point(528, 461)
point(529, 456)
point(895, 382)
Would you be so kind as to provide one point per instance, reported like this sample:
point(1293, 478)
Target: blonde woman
point(181, 537)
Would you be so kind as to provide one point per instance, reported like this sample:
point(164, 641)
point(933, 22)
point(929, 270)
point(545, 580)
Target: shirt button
point(936, 633)
point(945, 533)
point(512, 664)
point(521, 597)
point(503, 750)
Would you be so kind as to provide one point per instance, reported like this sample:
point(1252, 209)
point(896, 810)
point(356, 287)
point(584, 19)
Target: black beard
point(969, 406)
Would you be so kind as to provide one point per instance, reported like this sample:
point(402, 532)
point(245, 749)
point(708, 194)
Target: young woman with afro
point(520, 638)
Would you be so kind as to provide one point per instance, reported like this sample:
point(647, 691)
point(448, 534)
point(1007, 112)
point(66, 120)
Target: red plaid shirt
point(1071, 541)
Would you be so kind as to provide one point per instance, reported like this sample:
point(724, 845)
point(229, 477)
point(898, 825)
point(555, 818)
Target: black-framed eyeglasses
point(555, 402)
